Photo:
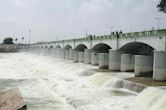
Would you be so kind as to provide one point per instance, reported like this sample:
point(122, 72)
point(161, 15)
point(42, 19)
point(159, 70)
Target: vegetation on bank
point(8, 40)
point(162, 6)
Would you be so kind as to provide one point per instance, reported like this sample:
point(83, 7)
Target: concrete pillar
point(40, 51)
point(127, 62)
point(94, 58)
point(114, 60)
point(71, 54)
point(51, 52)
point(81, 57)
point(57, 52)
point(87, 56)
point(62, 54)
point(75, 54)
point(103, 60)
point(46, 51)
point(67, 54)
point(143, 65)
point(54, 52)
point(159, 68)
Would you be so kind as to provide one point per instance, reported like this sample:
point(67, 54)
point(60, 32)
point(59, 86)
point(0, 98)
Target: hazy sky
point(59, 19)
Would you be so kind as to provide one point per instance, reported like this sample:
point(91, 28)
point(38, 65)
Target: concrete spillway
point(56, 83)
point(142, 65)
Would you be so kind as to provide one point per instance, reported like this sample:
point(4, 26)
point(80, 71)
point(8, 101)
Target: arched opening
point(137, 48)
point(137, 57)
point(46, 46)
point(101, 48)
point(81, 47)
point(51, 47)
point(67, 47)
point(58, 46)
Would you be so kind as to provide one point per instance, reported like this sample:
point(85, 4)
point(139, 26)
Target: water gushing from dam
point(47, 83)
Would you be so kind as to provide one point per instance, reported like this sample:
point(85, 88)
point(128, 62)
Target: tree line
point(9, 40)
point(162, 6)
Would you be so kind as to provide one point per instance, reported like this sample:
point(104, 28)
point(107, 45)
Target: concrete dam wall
point(152, 65)
point(9, 48)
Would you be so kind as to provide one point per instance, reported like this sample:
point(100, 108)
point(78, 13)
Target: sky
point(51, 20)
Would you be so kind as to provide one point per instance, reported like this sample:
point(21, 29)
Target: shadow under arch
point(101, 48)
point(58, 46)
point(81, 47)
point(137, 48)
point(51, 47)
point(67, 47)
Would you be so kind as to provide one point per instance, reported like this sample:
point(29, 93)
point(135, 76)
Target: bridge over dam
point(143, 53)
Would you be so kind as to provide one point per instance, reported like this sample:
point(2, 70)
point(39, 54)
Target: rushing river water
point(47, 83)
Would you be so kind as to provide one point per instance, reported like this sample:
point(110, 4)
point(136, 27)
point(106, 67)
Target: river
point(47, 83)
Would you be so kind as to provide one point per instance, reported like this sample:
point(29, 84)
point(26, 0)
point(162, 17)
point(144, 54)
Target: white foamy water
point(47, 83)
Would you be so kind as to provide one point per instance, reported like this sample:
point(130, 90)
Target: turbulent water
point(47, 83)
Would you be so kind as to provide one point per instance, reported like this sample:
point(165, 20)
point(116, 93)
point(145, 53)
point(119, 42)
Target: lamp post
point(117, 40)
point(29, 37)
point(158, 22)
point(74, 40)
point(90, 38)
point(22, 42)
point(111, 27)
point(86, 34)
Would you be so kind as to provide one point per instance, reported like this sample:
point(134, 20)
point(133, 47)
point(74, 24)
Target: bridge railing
point(161, 32)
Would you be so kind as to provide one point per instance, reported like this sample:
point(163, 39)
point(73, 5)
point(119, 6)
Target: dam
point(82, 78)
point(141, 52)
point(83, 55)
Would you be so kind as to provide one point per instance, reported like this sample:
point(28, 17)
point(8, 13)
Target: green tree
point(8, 40)
point(162, 6)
